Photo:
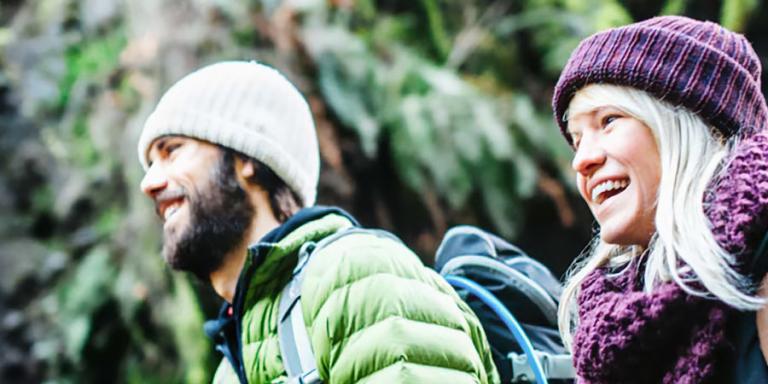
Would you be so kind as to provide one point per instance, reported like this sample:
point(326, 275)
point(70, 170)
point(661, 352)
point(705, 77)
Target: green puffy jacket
point(374, 313)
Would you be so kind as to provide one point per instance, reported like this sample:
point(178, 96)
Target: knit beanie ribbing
point(695, 64)
point(248, 107)
point(712, 71)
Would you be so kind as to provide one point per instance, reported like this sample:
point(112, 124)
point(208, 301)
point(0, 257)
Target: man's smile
point(171, 209)
point(168, 203)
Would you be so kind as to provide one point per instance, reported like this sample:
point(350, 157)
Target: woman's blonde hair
point(683, 248)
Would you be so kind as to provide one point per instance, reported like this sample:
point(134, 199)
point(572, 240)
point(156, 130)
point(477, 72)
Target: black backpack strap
point(759, 265)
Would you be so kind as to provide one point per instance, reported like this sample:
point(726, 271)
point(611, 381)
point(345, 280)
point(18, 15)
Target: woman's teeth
point(607, 186)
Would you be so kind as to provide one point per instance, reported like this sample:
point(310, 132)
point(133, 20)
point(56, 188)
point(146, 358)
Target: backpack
point(472, 261)
point(515, 297)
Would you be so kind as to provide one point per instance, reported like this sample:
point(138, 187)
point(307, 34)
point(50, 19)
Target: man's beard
point(218, 220)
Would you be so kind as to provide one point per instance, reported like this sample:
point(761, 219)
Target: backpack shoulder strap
point(295, 346)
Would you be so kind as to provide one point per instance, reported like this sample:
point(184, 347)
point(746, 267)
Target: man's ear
point(246, 168)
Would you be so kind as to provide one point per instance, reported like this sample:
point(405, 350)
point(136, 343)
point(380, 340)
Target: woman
point(667, 122)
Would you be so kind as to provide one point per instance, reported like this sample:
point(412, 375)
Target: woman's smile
point(618, 170)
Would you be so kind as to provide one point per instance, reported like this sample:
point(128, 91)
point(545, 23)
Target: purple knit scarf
point(667, 336)
point(628, 336)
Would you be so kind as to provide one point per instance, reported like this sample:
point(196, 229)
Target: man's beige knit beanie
point(248, 107)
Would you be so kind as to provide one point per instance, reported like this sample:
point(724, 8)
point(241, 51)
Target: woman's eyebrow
point(609, 108)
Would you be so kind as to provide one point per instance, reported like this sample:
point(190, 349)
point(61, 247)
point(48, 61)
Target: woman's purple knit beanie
point(696, 64)
point(709, 70)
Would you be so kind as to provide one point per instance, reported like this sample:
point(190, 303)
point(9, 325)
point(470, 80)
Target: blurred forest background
point(430, 113)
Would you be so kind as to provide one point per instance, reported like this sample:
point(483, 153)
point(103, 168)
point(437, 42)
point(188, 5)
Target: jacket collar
point(264, 258)
point(302, 217)
point(267, 258)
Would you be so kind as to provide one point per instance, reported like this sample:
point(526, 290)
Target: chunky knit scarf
point(667, 336)
point(627, 336)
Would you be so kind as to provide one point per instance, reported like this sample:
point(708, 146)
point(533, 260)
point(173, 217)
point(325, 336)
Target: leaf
point(735, 13)
point(673, 7)
point(187, 318)
point(80, 296)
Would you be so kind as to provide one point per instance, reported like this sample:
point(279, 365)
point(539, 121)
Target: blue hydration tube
point(509, 320)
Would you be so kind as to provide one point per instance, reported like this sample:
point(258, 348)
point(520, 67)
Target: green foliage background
point(429, 113)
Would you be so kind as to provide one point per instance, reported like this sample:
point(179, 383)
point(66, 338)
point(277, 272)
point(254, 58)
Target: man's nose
point(154, 181)
point(588, 157)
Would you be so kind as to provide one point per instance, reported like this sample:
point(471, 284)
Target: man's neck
point(224, 280)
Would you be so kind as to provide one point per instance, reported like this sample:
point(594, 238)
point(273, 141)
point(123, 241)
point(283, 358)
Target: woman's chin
point(626, 238)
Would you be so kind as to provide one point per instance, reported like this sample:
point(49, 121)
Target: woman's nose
point(589, 156)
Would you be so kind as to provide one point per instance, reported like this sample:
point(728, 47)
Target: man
point(232, 164)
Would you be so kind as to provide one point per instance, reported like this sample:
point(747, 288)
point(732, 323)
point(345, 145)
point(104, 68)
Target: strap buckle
point(555, 366)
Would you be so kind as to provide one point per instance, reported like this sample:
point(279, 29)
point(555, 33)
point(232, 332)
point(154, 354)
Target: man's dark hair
point(283, 201)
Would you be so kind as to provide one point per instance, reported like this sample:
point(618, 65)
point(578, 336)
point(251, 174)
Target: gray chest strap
point(295, 347)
